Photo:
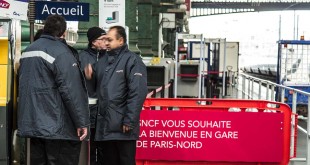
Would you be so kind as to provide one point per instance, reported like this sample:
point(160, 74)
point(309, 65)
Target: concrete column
point(84, 26)
point(145, 27)
point(132, 23)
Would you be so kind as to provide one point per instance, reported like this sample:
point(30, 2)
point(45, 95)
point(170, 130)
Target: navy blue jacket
point(53, 100)
point(90, 56)
point(122, 88)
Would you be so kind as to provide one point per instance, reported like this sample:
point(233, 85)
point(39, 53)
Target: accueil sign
point(72, 11)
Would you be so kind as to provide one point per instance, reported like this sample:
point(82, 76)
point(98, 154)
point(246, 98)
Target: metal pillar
point(31, 18)
point(155, 26)
point(145, 27)
point(84, 26)
point(131, 22)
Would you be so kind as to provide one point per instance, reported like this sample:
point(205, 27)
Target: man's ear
point(63, 35)
point(122, 40)
point(92, 43)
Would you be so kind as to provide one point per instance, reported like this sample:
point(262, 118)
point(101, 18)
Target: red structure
point(214, 131)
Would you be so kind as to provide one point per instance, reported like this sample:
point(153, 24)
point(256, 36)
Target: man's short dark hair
point(55, 25)
point(38, 34)
point(120, 32)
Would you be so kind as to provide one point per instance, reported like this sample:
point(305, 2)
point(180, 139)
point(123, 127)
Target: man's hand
point(82, 133)
point(126, 129)
point(88, 70)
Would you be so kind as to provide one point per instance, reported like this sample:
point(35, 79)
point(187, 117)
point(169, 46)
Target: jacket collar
point(94, 52)
point(115, 53)
point(52, 37)
point(47, 36)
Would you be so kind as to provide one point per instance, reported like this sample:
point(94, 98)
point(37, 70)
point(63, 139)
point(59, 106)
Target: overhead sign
point(71, 11)
point(13, 9)
point(111, 13)
point(210, 136)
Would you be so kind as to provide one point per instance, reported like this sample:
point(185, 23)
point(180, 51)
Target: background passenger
point(95, 50)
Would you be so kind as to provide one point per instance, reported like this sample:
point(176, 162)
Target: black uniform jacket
point(122, 88)
point(53, 100)
point(91, 56)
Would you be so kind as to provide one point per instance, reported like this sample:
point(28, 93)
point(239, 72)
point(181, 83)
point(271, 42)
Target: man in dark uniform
point(95, 50)
point(51, 111)
point(121, 88)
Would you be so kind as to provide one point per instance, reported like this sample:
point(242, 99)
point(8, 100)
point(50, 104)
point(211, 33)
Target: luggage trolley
point(294, 71)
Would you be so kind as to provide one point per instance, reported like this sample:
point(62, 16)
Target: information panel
point(111, 13)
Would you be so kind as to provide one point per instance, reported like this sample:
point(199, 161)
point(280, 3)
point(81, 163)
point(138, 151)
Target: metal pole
point(308, 135)
point(200, 67)
point(203, 69)
point(243, 87)
point(224, 69)
point(297, 27)
point(272, 93)
point(294, 25)
point(260, 90)
point(231, 80)
point(252, 90)
point(237, 84)
point(282, 94)
point(160, 36)
point(267, 91)
point(249, 88)
point(31, 18)
point(176, 52)
point(294, 103)
point(162, 93)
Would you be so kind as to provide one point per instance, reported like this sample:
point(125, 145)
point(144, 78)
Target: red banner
point(210, 136)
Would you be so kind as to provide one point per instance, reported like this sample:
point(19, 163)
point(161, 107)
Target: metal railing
point(254, 88)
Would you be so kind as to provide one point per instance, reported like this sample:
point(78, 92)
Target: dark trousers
point(117, 152)
point(92, 147)
point(54, 152)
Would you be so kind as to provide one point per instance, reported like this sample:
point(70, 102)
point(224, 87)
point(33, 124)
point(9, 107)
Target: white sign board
point(13, 9)
point(168, 20)
point(190, 36)
point(195, 50)
point(111, 13)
